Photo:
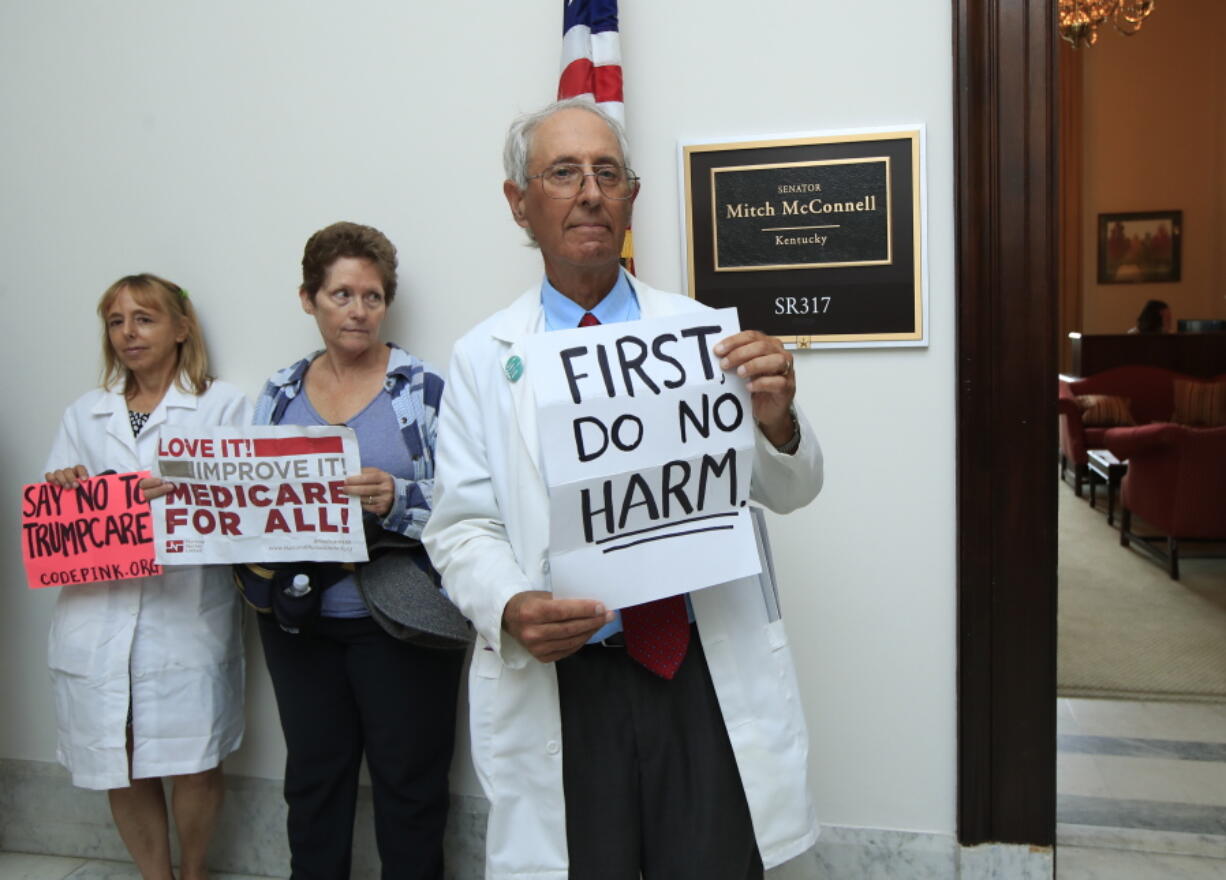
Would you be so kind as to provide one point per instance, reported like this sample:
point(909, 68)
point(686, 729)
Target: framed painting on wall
point(1140, 247)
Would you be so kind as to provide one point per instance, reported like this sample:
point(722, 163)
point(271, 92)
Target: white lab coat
point(489, 534)
point(173, 641)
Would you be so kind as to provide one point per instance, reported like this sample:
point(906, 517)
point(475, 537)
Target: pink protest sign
point(100, 531)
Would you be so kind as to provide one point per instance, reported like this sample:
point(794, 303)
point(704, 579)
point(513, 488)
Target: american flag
point(592, 55)
point(592, 67)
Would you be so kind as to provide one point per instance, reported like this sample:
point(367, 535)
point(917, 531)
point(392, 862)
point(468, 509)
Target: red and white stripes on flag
point(592, 55)
point(592, 67)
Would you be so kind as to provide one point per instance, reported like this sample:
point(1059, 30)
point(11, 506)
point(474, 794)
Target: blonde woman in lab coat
point(148, 672)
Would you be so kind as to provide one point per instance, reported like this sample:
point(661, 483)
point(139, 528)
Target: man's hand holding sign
point(553, 628)
point(766, 367)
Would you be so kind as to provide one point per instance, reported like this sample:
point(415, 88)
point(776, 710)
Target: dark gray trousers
point(345, 688)
point(651, 783)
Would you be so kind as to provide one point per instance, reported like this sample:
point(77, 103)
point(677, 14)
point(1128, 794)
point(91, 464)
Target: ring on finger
point(370, 499)
point(787, 368)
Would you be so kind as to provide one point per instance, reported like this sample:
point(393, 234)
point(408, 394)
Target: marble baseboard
point(1080, 863)
point(879, 854)
point(1142, 814)
point(1176, 843)
point(1003, 861)
point(40, 812)
point(26, 866)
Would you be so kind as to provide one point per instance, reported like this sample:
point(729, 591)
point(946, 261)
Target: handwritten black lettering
point(633, 363)
point(704, 351)
point(657, 348)
point(640, 363)
point(625, 493)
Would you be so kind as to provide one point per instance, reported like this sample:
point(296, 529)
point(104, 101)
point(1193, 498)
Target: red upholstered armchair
point(1151, 398)
point(1176, 482)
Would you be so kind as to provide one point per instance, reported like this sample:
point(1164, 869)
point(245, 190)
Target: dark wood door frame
point(1005, 104)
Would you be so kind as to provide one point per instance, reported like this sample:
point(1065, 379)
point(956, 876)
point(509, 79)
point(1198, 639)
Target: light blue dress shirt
point(563, 313)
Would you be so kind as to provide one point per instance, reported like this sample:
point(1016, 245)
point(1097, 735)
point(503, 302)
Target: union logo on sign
point(174, 546)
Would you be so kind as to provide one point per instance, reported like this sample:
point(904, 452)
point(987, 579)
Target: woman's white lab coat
point(489, 536)
point(172, 641)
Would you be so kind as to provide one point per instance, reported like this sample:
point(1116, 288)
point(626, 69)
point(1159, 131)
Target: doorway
point(1006, 170)
point(1006, 173)
point(1141, 747)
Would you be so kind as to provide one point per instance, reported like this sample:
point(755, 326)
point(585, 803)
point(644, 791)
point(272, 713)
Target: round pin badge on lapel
point(514, 368)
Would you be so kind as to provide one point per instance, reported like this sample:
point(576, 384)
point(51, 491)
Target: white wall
point(1154, 139)
point(205, 141)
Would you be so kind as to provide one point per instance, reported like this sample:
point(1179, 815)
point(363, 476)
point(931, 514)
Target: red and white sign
point(257, 494)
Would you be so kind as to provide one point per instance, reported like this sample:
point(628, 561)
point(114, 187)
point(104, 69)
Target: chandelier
point(1079, 19)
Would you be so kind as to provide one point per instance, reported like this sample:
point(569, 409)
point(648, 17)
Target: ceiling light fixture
point(1079, 19)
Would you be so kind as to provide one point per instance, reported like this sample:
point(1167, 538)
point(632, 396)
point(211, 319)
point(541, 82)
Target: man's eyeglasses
point(564, 180)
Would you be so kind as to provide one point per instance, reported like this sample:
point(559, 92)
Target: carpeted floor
point(1126, 630)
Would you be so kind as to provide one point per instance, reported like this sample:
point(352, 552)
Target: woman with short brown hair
point(345, 688)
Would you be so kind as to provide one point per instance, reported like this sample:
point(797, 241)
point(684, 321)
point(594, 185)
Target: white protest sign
point(647, 448)
point(257, 494)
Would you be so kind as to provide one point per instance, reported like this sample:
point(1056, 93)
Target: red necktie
point(657, 633)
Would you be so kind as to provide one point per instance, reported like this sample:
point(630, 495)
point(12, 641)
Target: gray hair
point(519, 136)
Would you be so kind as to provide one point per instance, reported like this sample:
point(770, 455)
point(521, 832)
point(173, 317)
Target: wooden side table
point(1106, 468)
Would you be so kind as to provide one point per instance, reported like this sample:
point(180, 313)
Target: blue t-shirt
point(380, 445)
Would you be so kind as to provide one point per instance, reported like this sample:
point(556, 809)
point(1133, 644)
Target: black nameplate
point(814, 240)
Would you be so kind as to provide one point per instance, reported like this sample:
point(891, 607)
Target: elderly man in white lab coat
point(665, 739)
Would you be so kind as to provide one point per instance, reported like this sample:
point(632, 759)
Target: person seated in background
point(1155, 317)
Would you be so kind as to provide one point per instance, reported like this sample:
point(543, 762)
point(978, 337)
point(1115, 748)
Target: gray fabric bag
point(401, 590)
